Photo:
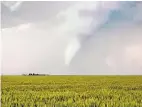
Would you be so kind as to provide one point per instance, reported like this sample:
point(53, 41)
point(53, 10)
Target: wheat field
point(71, 91)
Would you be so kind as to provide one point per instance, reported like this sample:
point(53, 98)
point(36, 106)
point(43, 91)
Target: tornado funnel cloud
point(71, 50)
point(87, 18)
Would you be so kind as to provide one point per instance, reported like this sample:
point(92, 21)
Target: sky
point(71, 38)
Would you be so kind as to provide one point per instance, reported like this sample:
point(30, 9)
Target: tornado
point(84, 19)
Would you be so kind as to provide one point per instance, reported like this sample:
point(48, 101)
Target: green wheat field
point(71, 91)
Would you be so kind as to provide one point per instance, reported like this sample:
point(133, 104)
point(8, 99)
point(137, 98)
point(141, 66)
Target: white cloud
point(110, 62)
point(134, 54)
point(23, 27)
point(29, 49)
point(19, 28)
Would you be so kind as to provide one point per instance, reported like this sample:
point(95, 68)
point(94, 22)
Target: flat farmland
point(71, 91)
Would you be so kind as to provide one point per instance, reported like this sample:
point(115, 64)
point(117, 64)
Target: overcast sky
point(71, 37)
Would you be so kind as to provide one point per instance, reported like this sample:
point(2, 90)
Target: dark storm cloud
point(31, 12)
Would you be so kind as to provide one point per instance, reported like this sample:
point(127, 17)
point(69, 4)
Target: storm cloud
point(97, 37)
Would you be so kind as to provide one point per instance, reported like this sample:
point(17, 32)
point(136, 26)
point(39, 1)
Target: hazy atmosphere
point(71, 37)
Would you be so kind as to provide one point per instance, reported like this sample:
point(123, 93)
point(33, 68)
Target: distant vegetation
point(34, 74)
point(71, 91)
